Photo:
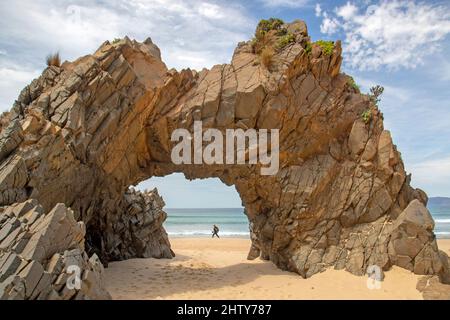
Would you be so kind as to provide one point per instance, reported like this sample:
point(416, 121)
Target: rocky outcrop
point(40, 252)
point(136, 231)
point(83, 133)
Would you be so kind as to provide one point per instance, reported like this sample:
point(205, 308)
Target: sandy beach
point(218, 269)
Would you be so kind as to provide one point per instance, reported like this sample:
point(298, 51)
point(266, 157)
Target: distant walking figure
point(215, 231)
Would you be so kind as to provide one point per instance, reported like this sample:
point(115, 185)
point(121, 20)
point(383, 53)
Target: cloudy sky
point(402, 45)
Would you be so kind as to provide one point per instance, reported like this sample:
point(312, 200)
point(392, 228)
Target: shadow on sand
point(157, 278)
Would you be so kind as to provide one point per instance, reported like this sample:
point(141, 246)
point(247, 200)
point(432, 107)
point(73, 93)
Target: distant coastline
point(444, 201)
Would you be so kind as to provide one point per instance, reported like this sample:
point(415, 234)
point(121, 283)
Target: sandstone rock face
point(38, 253)
point(83, 133)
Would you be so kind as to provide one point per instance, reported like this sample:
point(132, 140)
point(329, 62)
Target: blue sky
point(402, 45)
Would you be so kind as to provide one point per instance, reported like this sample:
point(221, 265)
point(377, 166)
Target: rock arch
point(82, 133)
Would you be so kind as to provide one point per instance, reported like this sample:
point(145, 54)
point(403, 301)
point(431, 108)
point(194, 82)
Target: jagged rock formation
point(136, 232)
point(83, 133)
point(36, 250)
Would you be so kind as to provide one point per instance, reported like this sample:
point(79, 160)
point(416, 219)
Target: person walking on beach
point(215, 231)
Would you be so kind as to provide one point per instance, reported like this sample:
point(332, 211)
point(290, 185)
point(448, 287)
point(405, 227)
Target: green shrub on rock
point(327, 47)
point(367, 116)
point(352, 84)
point(285, 40)
point(265, 26)
point(308, 48)
point(375, 93)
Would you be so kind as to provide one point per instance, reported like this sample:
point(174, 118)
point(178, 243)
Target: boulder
point(37, 269)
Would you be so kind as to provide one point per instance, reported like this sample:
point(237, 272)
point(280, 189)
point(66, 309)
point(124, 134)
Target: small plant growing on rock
point(265, 26)
point(267, 57)
point(116, 40)
point(352, 84)
point(327, 47)
point(261, 41)
point(367, 116)
point(375, 93)
point(266, 33)
point(282, 32)
point(285, 40)
point(308, 48)
point(53, 60)
point(270, 37)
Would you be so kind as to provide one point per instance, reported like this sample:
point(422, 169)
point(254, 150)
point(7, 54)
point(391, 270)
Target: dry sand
point(217, 269)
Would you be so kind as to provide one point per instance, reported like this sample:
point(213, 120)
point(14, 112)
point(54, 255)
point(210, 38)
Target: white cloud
point(318, 10)
point(212, 11)
point(329, 25)
point(347, 11)
point(285, 3)
point(190, 33)
point(79, 29)
point(390, 34)
point(12, 80)
point(433, 176)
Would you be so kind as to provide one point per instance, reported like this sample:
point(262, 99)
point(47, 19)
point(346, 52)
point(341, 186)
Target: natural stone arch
point(83, 133)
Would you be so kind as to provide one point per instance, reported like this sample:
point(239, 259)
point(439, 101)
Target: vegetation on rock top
point(285, 40)
point(375, 93)
point(374, 96)
point(367, 116)
point(270, 36)
point(265, 26)
point(327, 47)
point(53, 60)
point(352, 84)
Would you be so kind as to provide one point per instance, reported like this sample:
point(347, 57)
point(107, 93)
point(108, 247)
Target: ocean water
point(233, 222)
point(441, 216)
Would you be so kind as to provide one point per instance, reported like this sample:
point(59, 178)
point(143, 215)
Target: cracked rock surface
point(38, 250)
point(82, 133)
